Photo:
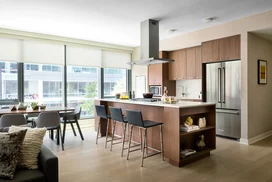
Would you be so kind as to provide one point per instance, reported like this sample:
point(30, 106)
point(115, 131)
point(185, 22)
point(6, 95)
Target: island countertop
point(179, 104)
point(172, 116)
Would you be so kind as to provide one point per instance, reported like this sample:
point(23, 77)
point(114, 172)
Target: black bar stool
point(117, 116)
point(135, 119)
point(101, 112)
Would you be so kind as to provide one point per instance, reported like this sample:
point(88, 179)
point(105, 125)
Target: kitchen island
point(172, 116)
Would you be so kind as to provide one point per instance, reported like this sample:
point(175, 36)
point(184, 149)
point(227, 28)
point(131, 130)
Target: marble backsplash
point(189, 89)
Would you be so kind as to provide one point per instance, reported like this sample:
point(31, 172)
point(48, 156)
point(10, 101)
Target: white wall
point(138, 70)
point(260, 102)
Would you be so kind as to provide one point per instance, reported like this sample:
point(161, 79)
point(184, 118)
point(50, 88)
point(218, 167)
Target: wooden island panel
point(174, 140)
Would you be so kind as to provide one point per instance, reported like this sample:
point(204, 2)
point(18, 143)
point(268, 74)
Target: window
point(8, 80)
point(82, 88)
point(43, 84)
point(115, 81)
point(33, 67)
point(51, 68)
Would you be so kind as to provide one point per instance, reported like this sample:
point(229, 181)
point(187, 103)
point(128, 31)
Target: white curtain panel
point(83, 56)
point(43, 52)
point(10, 50)
point(111, 59)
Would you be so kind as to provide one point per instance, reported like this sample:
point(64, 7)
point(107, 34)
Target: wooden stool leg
point(98, 128)
point(144, 145)
point(141, 138)
point(129, 141)
point(124, 139)
point(107, 132)
point(162, 150)
point(113, 131)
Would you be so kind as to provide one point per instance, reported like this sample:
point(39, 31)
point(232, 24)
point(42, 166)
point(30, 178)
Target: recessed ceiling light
point(210, 19)
point(173, 30)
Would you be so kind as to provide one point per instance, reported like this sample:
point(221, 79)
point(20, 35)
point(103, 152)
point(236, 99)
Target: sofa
point(47, 171)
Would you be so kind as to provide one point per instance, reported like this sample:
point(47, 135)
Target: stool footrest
point(150, 155)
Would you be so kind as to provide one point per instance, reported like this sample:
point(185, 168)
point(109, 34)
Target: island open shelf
point(172, 116)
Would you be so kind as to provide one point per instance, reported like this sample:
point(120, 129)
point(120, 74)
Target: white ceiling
point(118, 21)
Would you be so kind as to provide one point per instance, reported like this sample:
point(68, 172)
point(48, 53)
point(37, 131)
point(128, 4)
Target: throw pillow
point(10, 146)
point(31, 146)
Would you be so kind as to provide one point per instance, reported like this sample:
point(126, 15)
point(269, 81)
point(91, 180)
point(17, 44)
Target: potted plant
point(34, 105)
point(21, 106)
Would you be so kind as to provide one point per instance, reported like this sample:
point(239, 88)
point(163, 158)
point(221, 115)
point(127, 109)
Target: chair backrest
point(77, 111)
point(101, 111)
point(7, 120)
point(116, 114)
point(48, 119)
point(135, 118)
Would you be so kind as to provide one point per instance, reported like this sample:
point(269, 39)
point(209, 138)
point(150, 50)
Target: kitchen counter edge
point(180, 104)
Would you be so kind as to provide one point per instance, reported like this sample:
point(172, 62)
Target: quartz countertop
point(179, 104)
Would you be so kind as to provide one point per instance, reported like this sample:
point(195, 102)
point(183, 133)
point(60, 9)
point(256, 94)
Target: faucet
point(182, 91)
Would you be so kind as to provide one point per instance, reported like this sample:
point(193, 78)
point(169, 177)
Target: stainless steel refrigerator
point(223, 85)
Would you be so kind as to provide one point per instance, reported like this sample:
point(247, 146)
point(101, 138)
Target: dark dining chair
point(51, 121)
point(8, 120)
point(71, 118)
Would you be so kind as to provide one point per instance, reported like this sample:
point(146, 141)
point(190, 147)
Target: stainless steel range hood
point(150, 44)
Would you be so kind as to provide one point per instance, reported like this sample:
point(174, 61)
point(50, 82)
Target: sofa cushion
point(31, 146)
point(10, 146)
point(23, 175)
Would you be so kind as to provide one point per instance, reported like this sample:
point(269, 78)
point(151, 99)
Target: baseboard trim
point(244, 141)
point(256, 138)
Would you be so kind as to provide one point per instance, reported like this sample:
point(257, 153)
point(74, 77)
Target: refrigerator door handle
point(223, 85)
point(219, 85)
point(228, 111)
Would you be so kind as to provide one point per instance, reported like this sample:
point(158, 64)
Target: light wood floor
point(84, 161)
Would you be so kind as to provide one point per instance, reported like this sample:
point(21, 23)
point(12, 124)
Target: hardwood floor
point(84, 161)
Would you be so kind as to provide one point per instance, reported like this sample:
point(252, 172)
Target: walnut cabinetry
point(224, 49)
point(173, 67)
point(158, 74)
point(187, 64)
point(155, 72)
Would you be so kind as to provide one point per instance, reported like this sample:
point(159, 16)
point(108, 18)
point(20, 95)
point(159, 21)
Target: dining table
point(59, 109)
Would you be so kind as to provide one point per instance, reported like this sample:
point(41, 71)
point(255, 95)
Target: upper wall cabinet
point(156, 71)
point(173, 67)
point(224, 49)
point(187, 65)
point(155, 74)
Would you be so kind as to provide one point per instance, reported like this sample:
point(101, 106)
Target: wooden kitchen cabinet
point(224, 49)
point(210, 51)
point(198, 64)
point(182, 64)
point(158, 74)
point(173, 67)
point(191, 63)
point(233, 49)
point(155, 72)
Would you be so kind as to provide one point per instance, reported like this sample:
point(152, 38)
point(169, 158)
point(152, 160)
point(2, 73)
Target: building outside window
point(43, 84)
point(82, 88)
point(8, 80)
point(115, 81)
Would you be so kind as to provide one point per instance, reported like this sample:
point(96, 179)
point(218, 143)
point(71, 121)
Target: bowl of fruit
point(124, 97)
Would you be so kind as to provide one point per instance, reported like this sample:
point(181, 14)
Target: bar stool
point(101, 112)
point(117, 116)
point(135, 119)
